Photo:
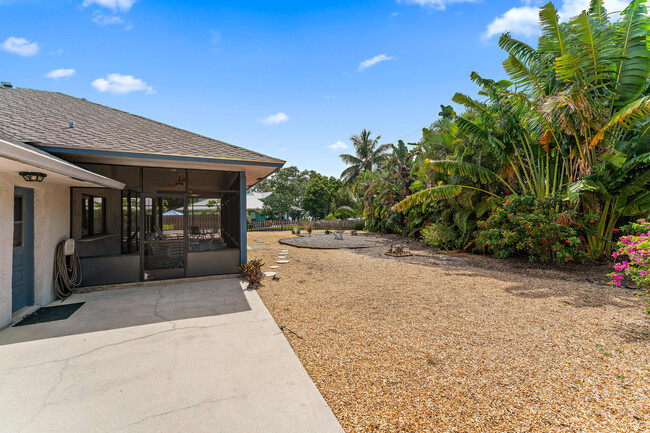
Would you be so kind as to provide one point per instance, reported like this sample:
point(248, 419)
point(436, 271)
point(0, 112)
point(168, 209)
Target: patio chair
point(168, 256)
point(159, 233)
point(195, 231)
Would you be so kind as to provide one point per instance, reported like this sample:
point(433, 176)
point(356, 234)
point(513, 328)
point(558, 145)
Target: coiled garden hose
point(67, 271)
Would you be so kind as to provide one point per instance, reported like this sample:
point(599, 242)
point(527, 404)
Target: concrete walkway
point(184, 357)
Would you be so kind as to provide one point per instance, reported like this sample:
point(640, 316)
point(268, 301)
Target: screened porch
point(166, 223)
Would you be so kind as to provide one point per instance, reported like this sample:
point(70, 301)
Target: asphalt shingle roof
point(37, 116)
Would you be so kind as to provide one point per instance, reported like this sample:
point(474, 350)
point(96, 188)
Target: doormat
point(50, 314)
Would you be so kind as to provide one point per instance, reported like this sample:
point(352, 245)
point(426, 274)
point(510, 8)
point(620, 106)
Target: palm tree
point(368, 155)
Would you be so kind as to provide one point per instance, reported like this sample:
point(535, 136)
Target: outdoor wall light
point(33, 176)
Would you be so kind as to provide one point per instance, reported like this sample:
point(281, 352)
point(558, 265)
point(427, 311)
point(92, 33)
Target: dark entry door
point(22, 277)
point(164, 251)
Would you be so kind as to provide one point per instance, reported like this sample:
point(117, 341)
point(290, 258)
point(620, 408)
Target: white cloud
point(524, 20)
point(20, 46)
point(339, 145)
point(106, 20)
point(330, 96)
point(572, 8)
point(371, 62)
point(122, 5)
point(274, 119)
point(121, 84)
point(436, 4)
point(60, 73)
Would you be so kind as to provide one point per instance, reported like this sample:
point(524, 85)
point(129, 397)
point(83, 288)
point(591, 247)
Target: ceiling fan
point(177, 184)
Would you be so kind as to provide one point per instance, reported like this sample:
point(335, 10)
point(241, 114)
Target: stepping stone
point(282, 261)
point(270, 274)
point(274, 267)
point(284, 251)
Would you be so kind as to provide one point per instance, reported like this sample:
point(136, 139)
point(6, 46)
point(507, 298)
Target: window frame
point(88, 215)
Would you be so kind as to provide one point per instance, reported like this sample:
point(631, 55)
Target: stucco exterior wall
point(51, 225)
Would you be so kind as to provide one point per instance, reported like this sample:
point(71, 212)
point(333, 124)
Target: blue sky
point(290, 79)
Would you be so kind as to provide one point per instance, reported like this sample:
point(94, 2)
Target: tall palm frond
point(634, 66)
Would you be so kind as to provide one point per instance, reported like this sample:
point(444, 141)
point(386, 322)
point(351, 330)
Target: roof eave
point(32, 157)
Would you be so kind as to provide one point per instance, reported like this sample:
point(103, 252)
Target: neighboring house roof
point(200, 206)
point(253, 202)
point(43, 119)
point(259, 195)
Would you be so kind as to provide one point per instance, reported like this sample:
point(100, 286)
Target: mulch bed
point(443, 342)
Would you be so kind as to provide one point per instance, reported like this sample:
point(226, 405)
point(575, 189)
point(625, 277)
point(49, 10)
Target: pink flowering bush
point(632, 253)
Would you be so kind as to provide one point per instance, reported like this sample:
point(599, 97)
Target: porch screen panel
point(230, 219)
point(130, 222)
point(204, 224)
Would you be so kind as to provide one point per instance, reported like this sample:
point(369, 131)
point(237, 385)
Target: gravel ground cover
point(321, 240)
point(452, 342)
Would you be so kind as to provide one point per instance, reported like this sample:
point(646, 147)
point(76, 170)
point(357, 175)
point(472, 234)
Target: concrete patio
point(199, 356)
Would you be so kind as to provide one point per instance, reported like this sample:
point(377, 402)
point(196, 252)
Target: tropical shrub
point(168, 226)
point(439, 236)
point(309, 228)
point(635, 247)
point(543, 229)
point(358, 226)
point(572, 120)
point(252, 272)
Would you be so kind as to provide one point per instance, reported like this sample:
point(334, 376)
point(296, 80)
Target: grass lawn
point(444, 342)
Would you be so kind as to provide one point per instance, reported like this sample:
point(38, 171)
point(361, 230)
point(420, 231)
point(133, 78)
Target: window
point(93, 215)
point(18, 221)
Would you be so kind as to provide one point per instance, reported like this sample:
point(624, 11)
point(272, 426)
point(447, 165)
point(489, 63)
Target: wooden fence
point(202, 221)
point(317, 224)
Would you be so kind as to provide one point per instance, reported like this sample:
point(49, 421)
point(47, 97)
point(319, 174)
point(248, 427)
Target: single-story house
point(255, 204)
point(73, 169)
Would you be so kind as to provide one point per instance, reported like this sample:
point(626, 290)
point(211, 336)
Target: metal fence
point(289, 224)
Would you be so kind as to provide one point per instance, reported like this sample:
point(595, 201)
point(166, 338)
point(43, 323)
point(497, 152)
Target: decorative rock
point(282, 261)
